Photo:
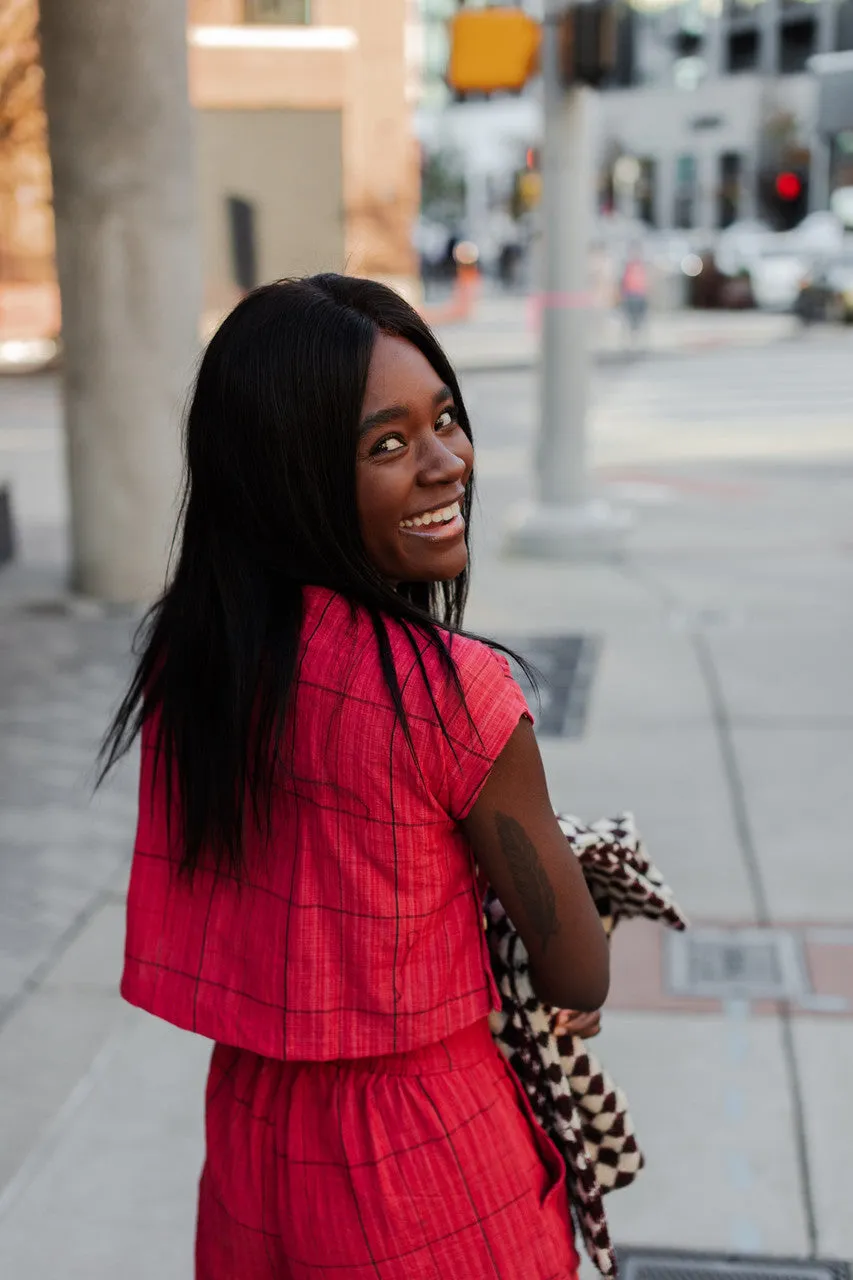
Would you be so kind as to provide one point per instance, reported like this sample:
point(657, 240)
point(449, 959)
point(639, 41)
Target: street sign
point(492, 50)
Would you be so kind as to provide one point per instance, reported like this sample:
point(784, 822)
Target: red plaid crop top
point(357, 932)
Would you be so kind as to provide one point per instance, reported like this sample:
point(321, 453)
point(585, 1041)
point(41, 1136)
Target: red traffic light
point(788, 186)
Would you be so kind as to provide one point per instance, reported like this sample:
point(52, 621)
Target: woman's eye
point(390, 444)
point(447, 418)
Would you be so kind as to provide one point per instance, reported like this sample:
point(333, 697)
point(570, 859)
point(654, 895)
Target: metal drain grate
point(7, 539)
point(732, 964)
point(566, 665)
point(648, 1265)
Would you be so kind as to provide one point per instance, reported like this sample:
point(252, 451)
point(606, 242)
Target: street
point(719, 709)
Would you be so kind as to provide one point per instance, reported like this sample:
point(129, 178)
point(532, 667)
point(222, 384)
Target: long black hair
point(269, 506)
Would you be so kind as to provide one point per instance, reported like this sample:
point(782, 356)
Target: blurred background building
point(306, 151)
point(328, 138)
point(715, 100)
point(712, 122)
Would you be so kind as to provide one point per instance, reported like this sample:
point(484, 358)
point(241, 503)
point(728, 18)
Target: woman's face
point(413, 463)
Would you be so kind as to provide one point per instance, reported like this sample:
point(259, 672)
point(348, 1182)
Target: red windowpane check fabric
point(424, 1166)
point(358, 932)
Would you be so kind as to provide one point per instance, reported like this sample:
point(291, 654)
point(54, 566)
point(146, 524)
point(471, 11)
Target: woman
point(326, 760)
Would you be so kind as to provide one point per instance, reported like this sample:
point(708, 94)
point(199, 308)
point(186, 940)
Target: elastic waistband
point(463, 1049)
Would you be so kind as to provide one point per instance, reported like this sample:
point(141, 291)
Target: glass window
point(728, 192)
point(684, 213)
point(742, 8)
point(645, 192)
point(743, 51)
point(797, 43)
point(285, 12)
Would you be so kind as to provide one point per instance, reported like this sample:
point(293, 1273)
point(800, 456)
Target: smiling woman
point(413, 468)
point(331, 773)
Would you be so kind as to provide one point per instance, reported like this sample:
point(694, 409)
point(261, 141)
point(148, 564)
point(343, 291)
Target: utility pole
point(129, 274)
point(565, 521)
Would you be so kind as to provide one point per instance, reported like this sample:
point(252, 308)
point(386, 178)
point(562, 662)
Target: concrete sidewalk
point(721, 712)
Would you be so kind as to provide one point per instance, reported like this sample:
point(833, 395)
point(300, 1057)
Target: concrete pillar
point(714, 51)
point(665, 190)
point(128, 265)
point(707, 184)
point(827, 20)
point(768, 18)
point(820, 173)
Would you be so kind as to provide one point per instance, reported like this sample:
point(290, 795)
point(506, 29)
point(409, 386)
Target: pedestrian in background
point(331, 772)
point(634, 292)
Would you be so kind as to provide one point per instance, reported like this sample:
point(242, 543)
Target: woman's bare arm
point(521, 849)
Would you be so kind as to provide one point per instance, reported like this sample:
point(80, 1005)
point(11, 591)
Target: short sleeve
point(479, 730)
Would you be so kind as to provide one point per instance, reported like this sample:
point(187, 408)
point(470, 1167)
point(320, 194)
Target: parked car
point(775, 277)
point(739, 245)
point(826, 293)
point(820, 234)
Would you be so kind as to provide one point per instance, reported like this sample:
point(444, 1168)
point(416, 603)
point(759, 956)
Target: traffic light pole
point(565, 521)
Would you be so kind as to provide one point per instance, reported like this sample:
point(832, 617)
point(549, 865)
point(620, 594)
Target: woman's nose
point(442, 463)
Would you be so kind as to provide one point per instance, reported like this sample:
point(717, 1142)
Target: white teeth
point(443, 516)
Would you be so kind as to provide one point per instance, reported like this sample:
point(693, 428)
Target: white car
point(775, 278)
point(740, 244)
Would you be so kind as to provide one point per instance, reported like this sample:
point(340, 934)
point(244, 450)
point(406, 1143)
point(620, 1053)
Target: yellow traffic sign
point(493, 50)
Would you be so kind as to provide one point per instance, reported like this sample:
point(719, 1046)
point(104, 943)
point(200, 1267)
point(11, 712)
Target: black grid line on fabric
point(285, 1010)
point(226, 1077)
point(305, 1162)
point(313, 1010)
point(478, 1223)
point(268, 1235)
point(351, 1181)
point(395, 848)
point(342, 925)
point(284, 788)
point(269, 892)
point(202, 951)
point(415, 717)
point(461, 1172)
point(388, 707)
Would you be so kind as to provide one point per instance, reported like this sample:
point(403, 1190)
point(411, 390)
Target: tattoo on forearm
point(531, 882)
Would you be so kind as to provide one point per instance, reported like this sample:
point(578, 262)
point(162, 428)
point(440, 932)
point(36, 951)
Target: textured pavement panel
point(60, 674)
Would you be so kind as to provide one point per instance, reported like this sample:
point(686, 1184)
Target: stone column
point(128, 266)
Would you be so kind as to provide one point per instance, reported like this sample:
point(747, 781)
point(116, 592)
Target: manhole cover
point(647, 1265)
point(727, 964)
point(566, 665)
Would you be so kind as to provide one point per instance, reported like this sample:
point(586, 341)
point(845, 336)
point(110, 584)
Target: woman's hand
point(585, 1025)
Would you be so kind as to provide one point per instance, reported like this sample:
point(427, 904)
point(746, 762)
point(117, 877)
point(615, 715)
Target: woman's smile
point(439, 522)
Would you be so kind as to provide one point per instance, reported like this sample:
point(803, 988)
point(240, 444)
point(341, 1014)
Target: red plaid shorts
point(425, 1164)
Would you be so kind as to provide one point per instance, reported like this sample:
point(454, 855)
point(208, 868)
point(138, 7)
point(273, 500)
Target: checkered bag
point(572, 1096)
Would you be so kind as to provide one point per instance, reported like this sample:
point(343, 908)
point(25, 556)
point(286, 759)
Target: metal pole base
point(589, 531)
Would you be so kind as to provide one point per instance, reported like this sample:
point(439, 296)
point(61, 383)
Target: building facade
point(713, 101)
point(307, 154)
point(716, 101)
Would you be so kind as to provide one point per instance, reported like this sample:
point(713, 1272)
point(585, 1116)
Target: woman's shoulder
point(343, 631)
